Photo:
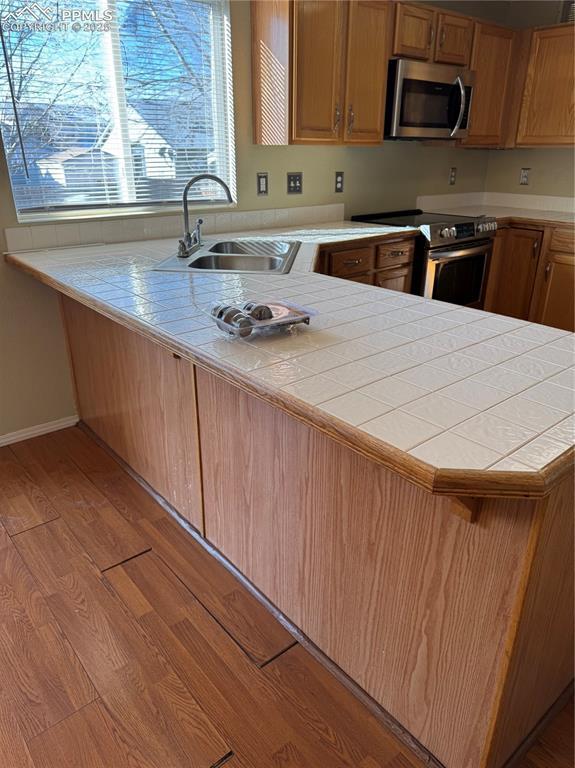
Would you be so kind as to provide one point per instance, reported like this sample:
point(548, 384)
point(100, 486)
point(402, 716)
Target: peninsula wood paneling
point(408, 599)
point(139, 398)
point(542, 661)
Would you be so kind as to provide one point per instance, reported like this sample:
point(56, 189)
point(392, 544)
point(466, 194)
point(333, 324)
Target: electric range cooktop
point(437, 228)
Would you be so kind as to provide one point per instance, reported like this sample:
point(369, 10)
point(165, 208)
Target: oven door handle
point(458, 81)
point(464, 253)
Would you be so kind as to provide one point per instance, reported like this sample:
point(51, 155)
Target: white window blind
point(107, 103)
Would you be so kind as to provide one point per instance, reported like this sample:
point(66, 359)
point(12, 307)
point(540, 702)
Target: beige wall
point(34, 373)
point(552, 171)
point(34, 378)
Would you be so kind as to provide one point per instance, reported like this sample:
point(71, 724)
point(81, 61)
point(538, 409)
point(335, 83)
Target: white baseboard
point(38, 429)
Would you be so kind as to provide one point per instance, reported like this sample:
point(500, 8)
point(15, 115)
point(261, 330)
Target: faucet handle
point(182, 249)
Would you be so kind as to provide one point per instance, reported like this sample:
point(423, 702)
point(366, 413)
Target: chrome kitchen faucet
point(191, 242)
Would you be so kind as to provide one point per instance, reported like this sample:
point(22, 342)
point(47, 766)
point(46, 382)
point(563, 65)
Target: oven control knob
point(444, 232)
point(452, 232)
point(482, 227)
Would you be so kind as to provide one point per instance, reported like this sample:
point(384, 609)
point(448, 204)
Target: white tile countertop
point(450, 386)
point(506, 212)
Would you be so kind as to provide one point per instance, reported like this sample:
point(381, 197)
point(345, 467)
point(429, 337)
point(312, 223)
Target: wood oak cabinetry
point(532, 275)
point(491, 60)
point(514, 270)
point(335, 90)
point(414, 34)
point(554, 292)
point(319, 71)
point(388, 264)
point(368, 37)
point(453, 39)
point(423, 33)
point(548, 107)
point(318, 29)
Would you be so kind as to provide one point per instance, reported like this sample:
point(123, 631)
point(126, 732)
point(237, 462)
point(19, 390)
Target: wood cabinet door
point(414, 33)
point(548, 107)
point(318, 39)
point(516, 273)
point(368, 34)
point(453, 39)
point(556, 300)
point(497, 256)
point(491, 62)
point(395, 279)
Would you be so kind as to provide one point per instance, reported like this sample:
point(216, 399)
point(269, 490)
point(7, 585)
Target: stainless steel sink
point(267, 247)
point(235, 262)
point(275, 256)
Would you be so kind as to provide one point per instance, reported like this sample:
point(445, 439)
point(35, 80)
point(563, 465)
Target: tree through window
point(108, 103)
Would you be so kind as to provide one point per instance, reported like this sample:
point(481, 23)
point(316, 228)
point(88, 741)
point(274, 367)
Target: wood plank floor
point(124, 644)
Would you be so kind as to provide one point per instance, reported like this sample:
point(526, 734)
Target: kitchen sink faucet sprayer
point(192, 242)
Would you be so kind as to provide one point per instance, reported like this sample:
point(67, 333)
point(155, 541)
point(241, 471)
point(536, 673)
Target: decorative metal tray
point(255, 317)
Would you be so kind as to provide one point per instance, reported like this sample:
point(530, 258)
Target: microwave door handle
point(458, 81)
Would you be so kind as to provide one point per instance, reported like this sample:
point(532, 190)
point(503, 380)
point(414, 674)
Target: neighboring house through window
point(118, 112)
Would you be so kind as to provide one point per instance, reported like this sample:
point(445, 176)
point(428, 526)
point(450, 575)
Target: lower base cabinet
point(385, 264)
point(514, 268)
point(532, 275)
point(554, 292)
point(556, 304)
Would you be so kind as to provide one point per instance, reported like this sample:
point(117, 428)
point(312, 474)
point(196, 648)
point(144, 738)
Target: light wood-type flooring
point(124, 644)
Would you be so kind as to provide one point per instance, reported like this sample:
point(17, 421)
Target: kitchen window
point(114, 103)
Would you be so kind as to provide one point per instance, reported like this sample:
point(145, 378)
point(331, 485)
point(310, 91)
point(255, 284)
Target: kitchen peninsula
point(396, 479)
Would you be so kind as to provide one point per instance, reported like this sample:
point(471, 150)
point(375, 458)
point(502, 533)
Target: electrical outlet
point(295, 183)
point(339, 181)
point(452, 175)
point(263, 185)
point(524, 176)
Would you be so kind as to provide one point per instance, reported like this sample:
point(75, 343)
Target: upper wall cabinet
point(491, 62)
point(453, 39)
point(422, 33)
point(368, 43)
point(547, 113)
point(334, 92)
point(318, 29)
point(414, 33)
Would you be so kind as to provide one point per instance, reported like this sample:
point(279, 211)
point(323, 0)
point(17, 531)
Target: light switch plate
point(524, 176)
point(295, 183)
point(339, 181)
point(452, 175)
point(262, 183)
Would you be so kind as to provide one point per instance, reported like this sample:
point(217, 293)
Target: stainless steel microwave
point(427, 101)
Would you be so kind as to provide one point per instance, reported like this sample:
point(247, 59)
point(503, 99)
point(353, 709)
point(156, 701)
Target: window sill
point(110, 214)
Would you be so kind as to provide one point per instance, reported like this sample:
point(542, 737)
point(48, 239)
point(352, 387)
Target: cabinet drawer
point(563, 240)
point(367, 279)
point(395, 279)
point(395, 254)
point(352, 262)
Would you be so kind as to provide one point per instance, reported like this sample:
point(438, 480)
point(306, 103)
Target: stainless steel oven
point(458, 274)
point(427, 101)
point(452, 253)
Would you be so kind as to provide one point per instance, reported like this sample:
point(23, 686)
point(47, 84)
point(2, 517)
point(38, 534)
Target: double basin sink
point(236, 256)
